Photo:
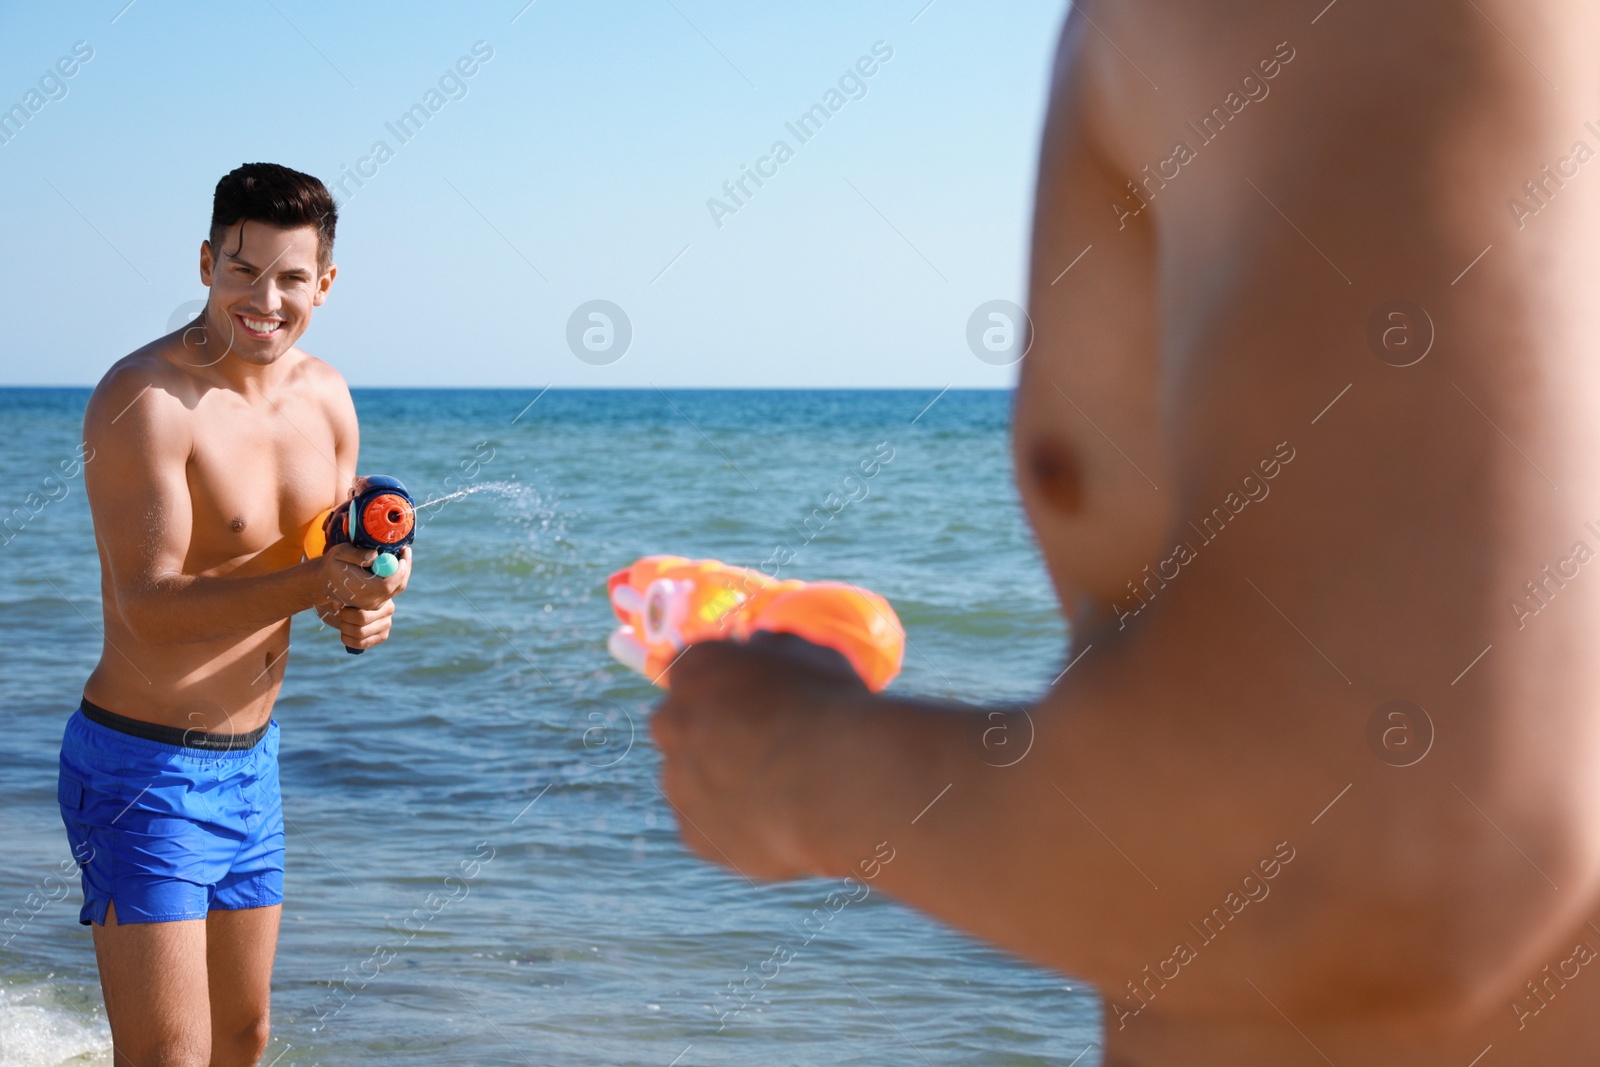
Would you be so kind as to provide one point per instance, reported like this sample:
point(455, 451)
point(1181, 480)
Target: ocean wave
point(42, 1025)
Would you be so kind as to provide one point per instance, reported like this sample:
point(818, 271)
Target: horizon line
point(631, 388)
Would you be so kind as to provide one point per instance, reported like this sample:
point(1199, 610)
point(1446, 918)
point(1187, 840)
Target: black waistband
point(171, 735)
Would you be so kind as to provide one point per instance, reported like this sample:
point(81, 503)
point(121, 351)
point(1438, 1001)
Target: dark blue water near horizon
point(494, 742)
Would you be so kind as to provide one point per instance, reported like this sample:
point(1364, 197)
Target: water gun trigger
point(666, 603)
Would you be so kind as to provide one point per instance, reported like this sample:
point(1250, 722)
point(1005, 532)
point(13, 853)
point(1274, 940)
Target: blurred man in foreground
point(1307, 435)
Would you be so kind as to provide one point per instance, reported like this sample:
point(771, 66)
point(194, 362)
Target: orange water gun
point(381, 517)
point(667, 603)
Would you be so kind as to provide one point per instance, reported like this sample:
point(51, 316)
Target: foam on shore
point(40, 1028)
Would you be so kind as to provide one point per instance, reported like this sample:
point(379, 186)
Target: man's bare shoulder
point(145, 387)
point(317, 381)
point(318, 375)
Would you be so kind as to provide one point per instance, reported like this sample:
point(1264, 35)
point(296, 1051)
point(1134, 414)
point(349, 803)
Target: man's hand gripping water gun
point(666, 603)
point(371, 532)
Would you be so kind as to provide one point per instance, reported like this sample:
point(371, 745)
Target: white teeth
point(260, 325)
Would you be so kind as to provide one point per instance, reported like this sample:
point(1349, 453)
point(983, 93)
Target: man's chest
point(258, 474)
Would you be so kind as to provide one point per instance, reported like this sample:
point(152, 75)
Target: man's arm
point(781, 770)
point(139, 496)
point(1159, 776)
point(359, 627)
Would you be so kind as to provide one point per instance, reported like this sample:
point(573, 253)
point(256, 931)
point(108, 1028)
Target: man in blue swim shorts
point(215, 447)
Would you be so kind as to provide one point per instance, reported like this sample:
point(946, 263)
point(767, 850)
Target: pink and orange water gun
point(666, 603)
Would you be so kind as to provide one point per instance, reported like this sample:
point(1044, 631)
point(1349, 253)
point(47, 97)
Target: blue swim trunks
point(168, 823)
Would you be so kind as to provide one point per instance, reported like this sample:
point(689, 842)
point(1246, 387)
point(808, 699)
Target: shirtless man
point(1222, 822)
point(214, 447)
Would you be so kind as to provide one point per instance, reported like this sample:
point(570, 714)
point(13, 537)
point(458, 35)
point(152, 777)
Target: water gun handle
point(384, 566)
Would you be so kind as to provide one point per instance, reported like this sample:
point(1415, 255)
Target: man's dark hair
point(277, 196)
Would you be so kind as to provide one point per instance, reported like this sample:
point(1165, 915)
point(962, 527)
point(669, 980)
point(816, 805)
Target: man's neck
point(214, 355)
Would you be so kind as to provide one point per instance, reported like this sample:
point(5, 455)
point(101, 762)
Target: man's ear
point(324, 283)
point(208, 263)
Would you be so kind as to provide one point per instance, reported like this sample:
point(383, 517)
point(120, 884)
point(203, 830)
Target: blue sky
point(575, 164)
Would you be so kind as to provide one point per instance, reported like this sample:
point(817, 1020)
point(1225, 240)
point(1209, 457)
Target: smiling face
point(264, 281)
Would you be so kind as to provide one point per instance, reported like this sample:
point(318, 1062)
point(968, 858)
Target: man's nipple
point(1053, 466)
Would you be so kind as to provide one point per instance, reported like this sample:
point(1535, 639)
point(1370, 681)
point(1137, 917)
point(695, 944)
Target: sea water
point(481, 869)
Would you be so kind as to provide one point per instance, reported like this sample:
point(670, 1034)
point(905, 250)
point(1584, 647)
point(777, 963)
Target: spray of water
point(501, 488)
